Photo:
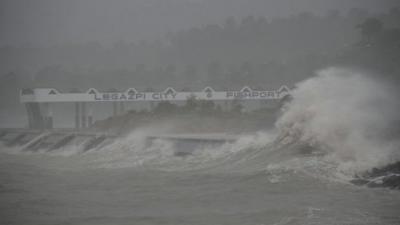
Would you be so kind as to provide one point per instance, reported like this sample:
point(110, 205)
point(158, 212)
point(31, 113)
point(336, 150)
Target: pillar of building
point(115, 109)
point(35, 117)
point(90, 121)
point(83, 115)
point(44, 111)
point(121, 108)
point(152, 106)
point(77, 115)
point(90, 117)
point(29, 114)
point(226, 106)
point(49, 116)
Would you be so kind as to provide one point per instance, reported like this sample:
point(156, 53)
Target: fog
point(47, 22)
point(200, 112)
point(187, 44)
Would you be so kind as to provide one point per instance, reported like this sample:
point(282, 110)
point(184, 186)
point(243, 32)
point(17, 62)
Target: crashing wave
point(349, 118)
point(339, 124)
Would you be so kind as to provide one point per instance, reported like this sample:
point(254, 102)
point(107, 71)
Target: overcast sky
point(73, 21)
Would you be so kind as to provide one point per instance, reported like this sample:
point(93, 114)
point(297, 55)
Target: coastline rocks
point(386, 177)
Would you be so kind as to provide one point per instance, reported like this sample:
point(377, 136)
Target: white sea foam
point(338, 116)
point(343, 113)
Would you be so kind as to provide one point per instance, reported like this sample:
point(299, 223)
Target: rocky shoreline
point(385, 177)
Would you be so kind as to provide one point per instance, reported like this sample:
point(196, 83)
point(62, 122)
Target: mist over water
point(346, 115)
point(338, 124)
point(340, 117)
point(199, 112)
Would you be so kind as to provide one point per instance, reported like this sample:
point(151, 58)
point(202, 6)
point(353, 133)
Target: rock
point(387, 177)
point(392, 181)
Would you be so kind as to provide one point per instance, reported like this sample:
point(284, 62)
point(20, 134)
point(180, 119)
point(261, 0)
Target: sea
point(298, 172)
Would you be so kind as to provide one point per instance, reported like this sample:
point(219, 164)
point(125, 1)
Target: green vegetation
point(250, 51)
point(195, 115)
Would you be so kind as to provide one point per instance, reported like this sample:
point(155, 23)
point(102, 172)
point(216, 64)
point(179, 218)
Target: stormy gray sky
point(48, 22)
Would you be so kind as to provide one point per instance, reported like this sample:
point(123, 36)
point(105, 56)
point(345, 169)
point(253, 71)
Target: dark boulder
point(385, 177)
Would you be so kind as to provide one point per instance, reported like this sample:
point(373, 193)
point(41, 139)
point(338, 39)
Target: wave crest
point(344, 114)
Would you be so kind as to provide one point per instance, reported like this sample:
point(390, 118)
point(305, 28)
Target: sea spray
point(336, 123)
point(137, 150)
point(343, 113)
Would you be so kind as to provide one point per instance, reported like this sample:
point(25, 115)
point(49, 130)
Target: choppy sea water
point(299, 173)
point(229, 184)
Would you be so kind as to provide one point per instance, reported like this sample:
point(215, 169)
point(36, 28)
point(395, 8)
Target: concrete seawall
point(51, 140)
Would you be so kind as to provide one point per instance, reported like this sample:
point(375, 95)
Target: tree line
point(251, 51)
